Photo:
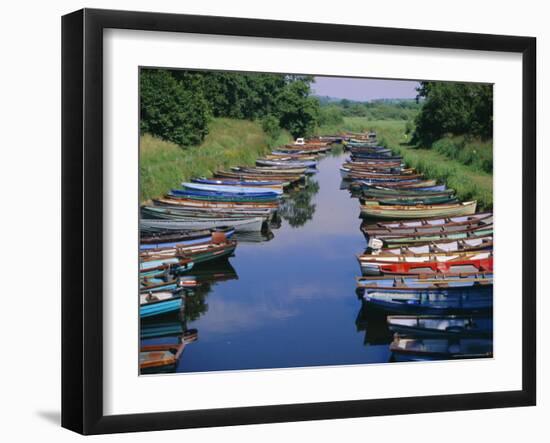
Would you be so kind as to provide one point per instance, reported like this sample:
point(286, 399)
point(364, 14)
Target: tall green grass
point(164, 165)
point(460, 171)
point(472, 152)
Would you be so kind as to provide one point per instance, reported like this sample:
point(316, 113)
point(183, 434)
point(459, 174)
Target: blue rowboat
point(152, 305)
point(460, 301)
point(223, 196)
point(249, 190)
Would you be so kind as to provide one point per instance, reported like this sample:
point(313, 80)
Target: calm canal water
point(289, 301)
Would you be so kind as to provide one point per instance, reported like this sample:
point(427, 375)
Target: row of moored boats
point(203, 222)
point(428, 266)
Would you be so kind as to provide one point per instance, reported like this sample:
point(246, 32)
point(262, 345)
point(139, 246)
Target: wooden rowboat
point(185, 238)
point(164, 209)
point(174, 265)
point(425, 283)
point(427, 229)
point(400, 212)
point(224, 205)
point(240, 225)
point(398, 241)
point(196, 253)
point(249, 176)
point(408, 201)
point(449, 246)
point(269, 170)
point(391, 226)
point(159, 358)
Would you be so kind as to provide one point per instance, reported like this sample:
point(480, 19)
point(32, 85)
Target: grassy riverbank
point(464, 171)
point(164, 165)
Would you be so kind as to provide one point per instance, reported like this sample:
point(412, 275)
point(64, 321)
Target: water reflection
point(374, 326)
point(297, 208)
point(255, 237)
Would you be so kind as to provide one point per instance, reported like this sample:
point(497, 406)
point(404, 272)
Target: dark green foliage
point(175, 104)
point(297, 111)
point(173, 109)
point(454, 108)
point(270, 125)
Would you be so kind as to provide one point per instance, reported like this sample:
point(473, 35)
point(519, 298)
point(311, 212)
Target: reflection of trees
point(207, 275)
point(195, 302)
point(297, 207)
point(336, 151)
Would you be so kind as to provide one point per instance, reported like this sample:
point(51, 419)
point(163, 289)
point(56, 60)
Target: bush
point(270, 125)
point(330, 115)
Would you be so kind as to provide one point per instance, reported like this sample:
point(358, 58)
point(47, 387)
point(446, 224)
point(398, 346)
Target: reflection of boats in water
point(449, 326)
point(412, 349)
point(255, 237)
point(214, 272)
point(375, 327)
point(161, 328)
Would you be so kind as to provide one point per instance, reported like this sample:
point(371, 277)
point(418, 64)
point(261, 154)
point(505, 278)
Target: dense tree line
point(177, 104)
point(453, 108)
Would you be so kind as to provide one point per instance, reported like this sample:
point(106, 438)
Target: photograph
point(292, 220)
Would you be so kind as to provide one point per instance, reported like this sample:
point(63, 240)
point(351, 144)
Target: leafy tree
point(297, 111)
point(454, 108)
point(172, 109)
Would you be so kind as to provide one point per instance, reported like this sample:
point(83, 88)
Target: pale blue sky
point(363, 89)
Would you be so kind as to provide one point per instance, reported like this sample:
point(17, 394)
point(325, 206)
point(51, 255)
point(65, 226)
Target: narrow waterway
point(289, 301)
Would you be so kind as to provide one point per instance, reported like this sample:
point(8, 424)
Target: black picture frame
point(82, 218)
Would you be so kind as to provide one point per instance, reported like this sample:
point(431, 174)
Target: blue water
point(289, 301)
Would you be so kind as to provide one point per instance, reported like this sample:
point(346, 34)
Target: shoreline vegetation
point(164, 165)
point(459, 162)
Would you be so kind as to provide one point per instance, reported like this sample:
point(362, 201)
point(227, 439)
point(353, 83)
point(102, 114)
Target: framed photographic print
point(270, 221)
